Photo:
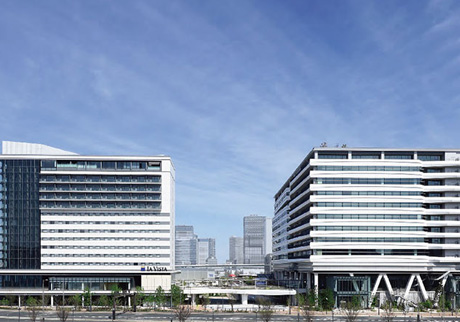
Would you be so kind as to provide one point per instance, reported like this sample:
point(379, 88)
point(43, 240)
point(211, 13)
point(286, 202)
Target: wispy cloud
point(236, 92)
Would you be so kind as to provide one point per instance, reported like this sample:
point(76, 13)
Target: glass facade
point(20, 214)
point(20, 220)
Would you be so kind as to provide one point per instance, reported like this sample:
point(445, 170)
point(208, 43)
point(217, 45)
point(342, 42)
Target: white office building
point(257, 238)
point(71, 220)
point(367, 221)
point(206, 251)
point(235, 250)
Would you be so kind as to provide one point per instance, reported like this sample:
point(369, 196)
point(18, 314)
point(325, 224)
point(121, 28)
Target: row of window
point(99, 187)
point(364, 168)
point(103, 205)
point(105, 222)
point(370, 204)
point(371, 252)
point(99, 196)
point(106, 214)
point(104, 247)
point(368, 216)
point(117, 231)
point(370, 228)
point(368, 240)
point(378, 155)
point(366, 181)
point(100, 165)
point(105, 238)
point(106, 255)
point(369, 193)
point(100, 264)
point(102, 178)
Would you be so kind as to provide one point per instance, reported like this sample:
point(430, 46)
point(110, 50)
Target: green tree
point(159, 297)
point(115, 291)
point(351, 309)
point(32, 308)
point(312, 298)
point(177, 295)
point(150, 299)
point(139, 296)
point(104, 301)
point(205, 301)
point(75, 300)
point(388, 314)
point(87, 296)
point(326, 299)
point(265, 309)
point(11, 299)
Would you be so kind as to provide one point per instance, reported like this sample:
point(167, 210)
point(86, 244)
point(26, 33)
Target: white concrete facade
point(100, 213)
point(368, 211)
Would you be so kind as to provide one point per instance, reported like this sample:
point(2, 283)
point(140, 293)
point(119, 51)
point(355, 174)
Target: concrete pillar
point(129, 300)
point(19, 301)
point(52, 300)
point(244, 299)
point(308, 281)
point(316, 283)
point(193, 299)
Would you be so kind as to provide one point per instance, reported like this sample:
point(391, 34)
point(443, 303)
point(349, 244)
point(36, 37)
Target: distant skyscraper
point(206, 249)
point(186, 245)
point(236, 250)
point(257, 238)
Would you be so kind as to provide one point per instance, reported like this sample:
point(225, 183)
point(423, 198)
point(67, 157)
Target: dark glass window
point(124, 165)
point(108, 165)
point(357, 155)
point(431, 157)
point(48, 164)
point(332, 156)
point(399, 156)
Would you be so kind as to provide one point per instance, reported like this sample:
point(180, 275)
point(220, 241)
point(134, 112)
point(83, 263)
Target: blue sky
point(237, 92)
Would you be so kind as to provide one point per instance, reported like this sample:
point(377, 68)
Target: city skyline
point(235, 92)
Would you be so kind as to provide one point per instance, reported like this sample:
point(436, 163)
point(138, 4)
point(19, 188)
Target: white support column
point(409, 285)
point(244, 299)
point(376, 287)
point(19, 301)
point(422, 287)
point(316, 283)
point(129, 301)
point(355, 285)
point(308, 281)
point(193, 299)
point(52, 300)
point(388, 284)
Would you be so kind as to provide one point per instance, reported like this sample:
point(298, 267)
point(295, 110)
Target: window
point(433, 182)
point(399, 156)
point(365, 156)
point(138, 165)
point(108, 165)
point(49, 164)
point(93, 165)
point(332, 156)
point(154, 165)
point(430, 157)
point(433, 194)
